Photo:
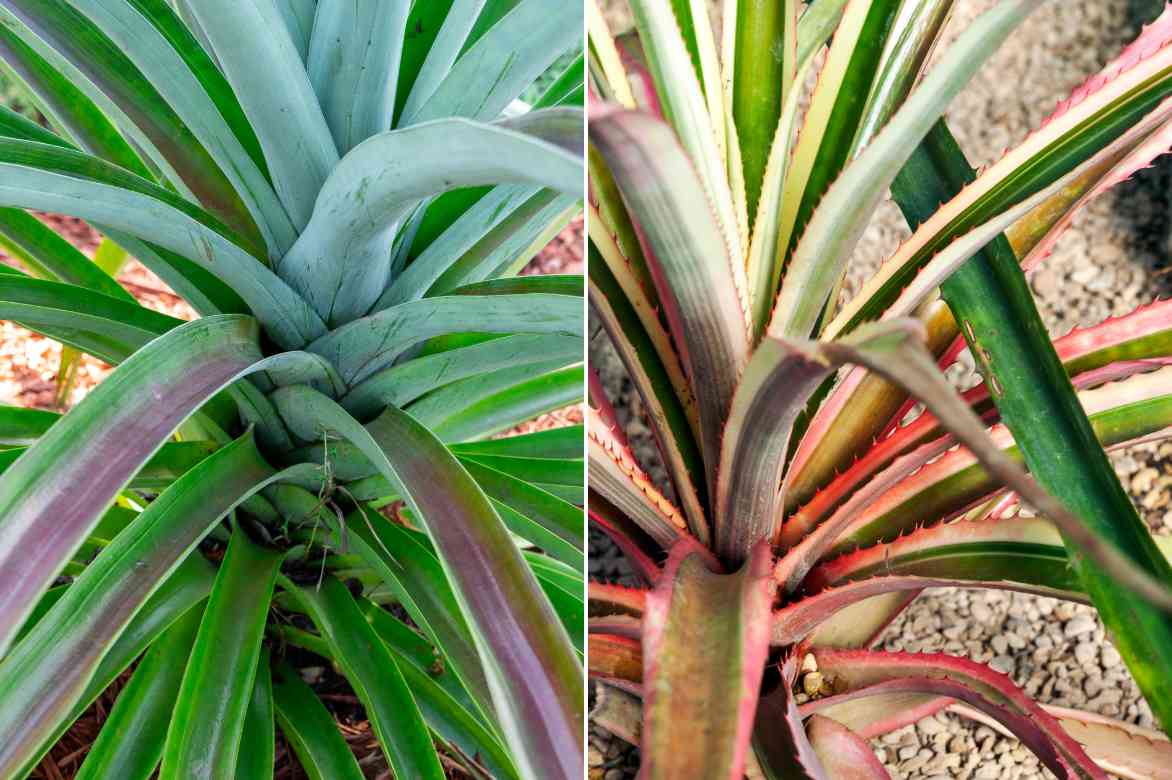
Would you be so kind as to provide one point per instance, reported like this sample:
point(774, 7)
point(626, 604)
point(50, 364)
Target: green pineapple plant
point(345, 193)
point(808, 505)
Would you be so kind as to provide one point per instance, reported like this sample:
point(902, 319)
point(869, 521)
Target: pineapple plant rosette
point(806, 502)
point(345, 193)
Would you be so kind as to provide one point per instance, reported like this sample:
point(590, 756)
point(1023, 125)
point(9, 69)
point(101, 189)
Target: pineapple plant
point(820, 470)
point(308, 474)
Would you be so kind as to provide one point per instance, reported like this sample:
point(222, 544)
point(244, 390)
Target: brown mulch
point(28, 371)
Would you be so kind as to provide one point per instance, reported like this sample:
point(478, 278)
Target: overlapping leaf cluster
point(345, 192)
point(807, 506)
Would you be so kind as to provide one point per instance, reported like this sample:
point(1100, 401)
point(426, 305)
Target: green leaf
point(509, 246)
point(466, 229)
point(553, 443)
point(130, 743)
point(554, 525)
point(54, 663)
point(258, 741)
point(436, 32)
point(365, 346)
point(20, 427)
point(819, 258)
point(67, 182)
point(353, 64)
point(204, 738)
point(765, 31)
point(311, 729)
point(512, 406)
point(508, 57)
point(997, 314)
point(127, 53)
point(446, 713)
point(497, 592)
point(298, 16)
point(404, 382)
point(682, 100)
point(47, 255)
point(456, 398)
point(341, 262)
point(55, 493)
point(70, 111)
point(267, 75)
point(824, 143)
point(375, 677)
point(569, 472)
point(109, 328)
point(567, 89)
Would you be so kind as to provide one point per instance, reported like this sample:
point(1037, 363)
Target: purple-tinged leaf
point(705, 640)
point(616, 475)
point(1143, 334)
point(53, 665)
point(700, 280)
point(780, 744)
point(637, 547)
point(799, 619)
point(874, 716)
point(55, 493)
point(907, 363)
point(1122, 413)
point(617, 660)
point(781, 377)
point(606, 599)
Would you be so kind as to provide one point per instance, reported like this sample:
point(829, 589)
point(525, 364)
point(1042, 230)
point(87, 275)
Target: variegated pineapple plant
point(345, 191)
point(807, 505)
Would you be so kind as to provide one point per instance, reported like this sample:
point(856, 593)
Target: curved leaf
point(365, 346)
point(538, 694)
point(375, 677)
point(704, 652)
point(56, 491)
point(341, 262)
point(67, 182)
point(268, 77)
point(55, 662)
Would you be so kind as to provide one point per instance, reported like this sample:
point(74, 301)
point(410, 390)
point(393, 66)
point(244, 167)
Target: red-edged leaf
point(859, 673)
point(705, 641)
point(780, 744)
point(618, 660)
point(637, 547)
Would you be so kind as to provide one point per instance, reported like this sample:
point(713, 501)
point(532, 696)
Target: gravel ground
point(1113, 260)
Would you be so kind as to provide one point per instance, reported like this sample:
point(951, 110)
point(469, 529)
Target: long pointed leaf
point(122, 425)
point(538, 695)
point(204, 738)
point(375, 677)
